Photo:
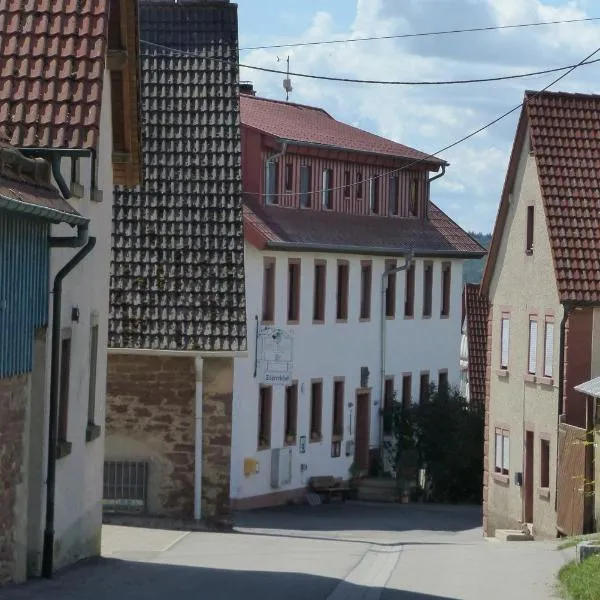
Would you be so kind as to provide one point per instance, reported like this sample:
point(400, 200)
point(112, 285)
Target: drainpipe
point(86, 245)
point(440, 174)
point(198, 441)
point(408, 259)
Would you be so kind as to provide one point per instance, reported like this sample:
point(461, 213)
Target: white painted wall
point(78, 515)
point(332, 349)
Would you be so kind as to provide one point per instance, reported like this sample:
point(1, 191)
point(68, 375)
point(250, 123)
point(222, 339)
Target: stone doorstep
point(125, 520)
point(513, 535)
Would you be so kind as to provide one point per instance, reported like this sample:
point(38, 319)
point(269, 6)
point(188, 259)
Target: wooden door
point(363, 426)
point(528, 476)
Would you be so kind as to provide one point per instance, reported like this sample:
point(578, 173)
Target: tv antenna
point(287, 82)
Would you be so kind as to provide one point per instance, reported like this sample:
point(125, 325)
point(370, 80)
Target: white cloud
point(431, 117)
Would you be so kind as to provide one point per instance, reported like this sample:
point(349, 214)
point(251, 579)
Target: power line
point(379, 81)
point(423, 34)
point(425, 158)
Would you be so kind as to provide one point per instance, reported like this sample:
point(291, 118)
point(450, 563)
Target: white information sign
point(275, 355)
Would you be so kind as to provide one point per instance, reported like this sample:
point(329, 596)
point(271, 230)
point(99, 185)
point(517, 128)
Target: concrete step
point(513, 535)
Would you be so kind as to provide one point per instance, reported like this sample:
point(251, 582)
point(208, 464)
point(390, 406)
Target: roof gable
point(564, 136)
point(52, 56)
point(309, 125)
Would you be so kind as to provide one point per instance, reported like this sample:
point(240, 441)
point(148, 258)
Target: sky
point(427, 117)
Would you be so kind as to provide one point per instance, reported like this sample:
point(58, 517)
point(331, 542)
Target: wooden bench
point(328, 487)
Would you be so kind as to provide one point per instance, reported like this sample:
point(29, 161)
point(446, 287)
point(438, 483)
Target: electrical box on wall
point(519, 479)
point(250, 466)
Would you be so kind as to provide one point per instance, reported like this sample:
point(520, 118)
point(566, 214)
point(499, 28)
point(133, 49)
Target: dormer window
point(272, 178)
point(327, 191)
point(305, 185)
point(413, 201)
point(359, 185)
point(393, 197)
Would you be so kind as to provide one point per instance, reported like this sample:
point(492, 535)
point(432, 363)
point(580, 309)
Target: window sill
point(318, 321)
point(261, 447)
point(444, 316)
point(547, 381)
point(77, 190)
point(503, 373)
point(544, 493)
point(341, 321)
point(290, 442)
point(529, 378)
point(63, 449)
point(501, 479)
point(364, 319)
point(267, 322)
point(427, 316)
point(337, 437)
point(390, 317)
point(97, 196)
point(316, 438)
point(409, 317)
point(92, 432)
point(529, 252)
point(293, 322)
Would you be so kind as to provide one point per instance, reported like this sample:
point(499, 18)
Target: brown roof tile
point(52, 56)
point(307, 124)
point(277, 227)
point(476, 309)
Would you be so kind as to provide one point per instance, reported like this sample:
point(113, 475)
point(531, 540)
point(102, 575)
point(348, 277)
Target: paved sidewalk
point(332, 552)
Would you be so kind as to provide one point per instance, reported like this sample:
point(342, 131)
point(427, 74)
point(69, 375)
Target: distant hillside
point(473, 269)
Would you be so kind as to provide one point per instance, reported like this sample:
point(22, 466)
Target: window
point(446, 279)
point(305, 186)
point(394, 193)
point(409, 293)
point(406, 390)
point(374, 194)
point(548, 346)
point(319, 291)
point(390, 290)
point(533, 326)
point(359, 185)
point(502, 453)
point(338, 409)
point(504, 341)
point(289, 177)
point(424, 387)
point(343, 276)
point(63, 399)
point(346, 184)
point(272, 178)
point(293, 290)
point(316, 411)
point(388, 405)
point(291, 414)
point(93, 365)
point(265, 402)
point(365, 290)
point(443, 381)
point(268, 310)
point(76, 185)
point(427, 288)
point(413, 201)
point(545, 464)
point(327, 191)
point(529, 241)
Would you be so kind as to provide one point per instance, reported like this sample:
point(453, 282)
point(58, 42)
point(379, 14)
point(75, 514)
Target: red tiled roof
point(476, 309)
point(22, 182)
point(565, 140)
point(318, 230)
point(52, 56)
point(309, 125)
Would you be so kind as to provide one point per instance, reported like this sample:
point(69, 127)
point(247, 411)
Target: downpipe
point(86, 245)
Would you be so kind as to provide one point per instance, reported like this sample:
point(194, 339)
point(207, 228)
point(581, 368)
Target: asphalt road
point(333, 552)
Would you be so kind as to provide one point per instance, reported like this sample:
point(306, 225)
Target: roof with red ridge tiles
point(52, 57)
point(309, 125)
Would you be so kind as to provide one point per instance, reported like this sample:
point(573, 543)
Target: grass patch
point(573, 541)
point(581, 581)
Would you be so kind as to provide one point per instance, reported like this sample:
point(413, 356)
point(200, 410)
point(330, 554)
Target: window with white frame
point(504, 341)
point(533, 328)
point(502, 453)
point(548, 347)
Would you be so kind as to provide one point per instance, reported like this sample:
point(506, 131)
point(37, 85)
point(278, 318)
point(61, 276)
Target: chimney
point(246, 87)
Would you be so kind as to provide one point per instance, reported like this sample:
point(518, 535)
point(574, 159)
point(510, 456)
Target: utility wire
point(424, 34)
point(378, 81)
point(426, 157)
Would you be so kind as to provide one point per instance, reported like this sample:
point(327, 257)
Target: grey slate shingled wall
point(177, 273)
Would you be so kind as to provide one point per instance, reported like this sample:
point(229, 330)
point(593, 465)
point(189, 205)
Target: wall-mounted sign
point(275, 353)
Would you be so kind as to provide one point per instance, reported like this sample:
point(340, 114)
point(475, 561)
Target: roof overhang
point(590, 388)
point(53, 215)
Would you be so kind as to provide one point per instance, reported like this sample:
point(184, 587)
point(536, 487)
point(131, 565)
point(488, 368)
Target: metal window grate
point(125, 485)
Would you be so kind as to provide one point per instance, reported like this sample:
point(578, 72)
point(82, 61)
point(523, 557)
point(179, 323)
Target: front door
point(528, 477)
point(363, 426)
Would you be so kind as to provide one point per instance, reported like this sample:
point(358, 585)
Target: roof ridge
point(561, 94)
point(286, 103)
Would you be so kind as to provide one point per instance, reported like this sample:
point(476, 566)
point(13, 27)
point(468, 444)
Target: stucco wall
point(523, 285)
point(331, 350)
point(14, 400)
point(79, 475)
